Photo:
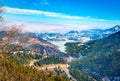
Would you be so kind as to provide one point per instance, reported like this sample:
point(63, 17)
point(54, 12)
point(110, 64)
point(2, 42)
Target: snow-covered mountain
point(92, 34)
point(82, 36)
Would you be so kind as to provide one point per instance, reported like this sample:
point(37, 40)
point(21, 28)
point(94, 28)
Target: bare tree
point(2, 10)
point(1, 25)
point(9, 35)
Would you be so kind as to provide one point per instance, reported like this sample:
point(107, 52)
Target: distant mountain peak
point(117, 27)
point(114, 29)
point(73, 31)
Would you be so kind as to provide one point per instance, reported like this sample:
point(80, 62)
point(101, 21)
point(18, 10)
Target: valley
point(59, 40)
point(77, 36)
point(72, 60)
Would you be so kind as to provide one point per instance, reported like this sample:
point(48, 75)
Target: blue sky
point(62, 15)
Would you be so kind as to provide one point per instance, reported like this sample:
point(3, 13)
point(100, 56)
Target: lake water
point(60, 44)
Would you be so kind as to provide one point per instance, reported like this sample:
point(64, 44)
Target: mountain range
point(82, 36)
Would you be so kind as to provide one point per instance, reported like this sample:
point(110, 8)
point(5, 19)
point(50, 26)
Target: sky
point(62, 15)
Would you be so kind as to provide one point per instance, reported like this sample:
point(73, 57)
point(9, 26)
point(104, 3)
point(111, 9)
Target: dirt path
point(63, 67)
point(51, 67)
point(32, 62)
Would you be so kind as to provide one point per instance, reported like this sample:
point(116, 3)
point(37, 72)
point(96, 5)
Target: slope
point(100, 58)
point(17, 72)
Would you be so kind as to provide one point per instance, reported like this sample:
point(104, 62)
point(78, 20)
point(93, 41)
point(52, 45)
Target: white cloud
point(62, 22)
point(49, 14)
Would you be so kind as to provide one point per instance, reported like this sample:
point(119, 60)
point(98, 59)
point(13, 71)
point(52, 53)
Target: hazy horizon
point(56, 16)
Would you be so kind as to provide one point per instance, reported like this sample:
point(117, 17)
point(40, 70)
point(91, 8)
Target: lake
point(60, 44)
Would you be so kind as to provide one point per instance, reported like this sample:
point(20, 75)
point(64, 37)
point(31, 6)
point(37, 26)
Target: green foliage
point(58, 71)
point(22, 58)
point(11, 71)
point(101, 57)
point(36, 56)
point(22, 55)
point(74, 49)
point(100, 67)
point(79, 75)
point(50, 60)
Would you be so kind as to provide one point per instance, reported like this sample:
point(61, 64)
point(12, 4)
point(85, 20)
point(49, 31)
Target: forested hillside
point(100, 58)
point(11, 71)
